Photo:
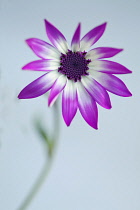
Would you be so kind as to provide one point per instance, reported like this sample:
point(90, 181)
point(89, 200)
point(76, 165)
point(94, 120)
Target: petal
point(75, 43)
point(69, 102)
point(109, 67)
point(87, 106)
point(96, 91)
point(57, 87)
point(111, 83)
point(102, 52)
point(43, 49)
point(92, 36)
point(56, 37)
point(39, 86)
point(42, 65)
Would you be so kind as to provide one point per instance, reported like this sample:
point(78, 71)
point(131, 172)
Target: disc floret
point(74, 65)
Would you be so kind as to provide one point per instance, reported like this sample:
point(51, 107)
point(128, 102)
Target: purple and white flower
point(82, 76)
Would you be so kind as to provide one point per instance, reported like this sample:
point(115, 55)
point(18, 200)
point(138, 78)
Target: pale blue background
point(93, 169)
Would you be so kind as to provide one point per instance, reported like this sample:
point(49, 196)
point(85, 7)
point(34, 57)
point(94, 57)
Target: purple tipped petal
point(75, 43)
point(87, 106)
point(97, 92)
point(56, 89)
point(56, 37)
point(42, 65)
point(92, 37)
point(102, 52)
point(109, 67)
point(43, 49)
point(111, 83)
point(39, 86)
point(69, 102)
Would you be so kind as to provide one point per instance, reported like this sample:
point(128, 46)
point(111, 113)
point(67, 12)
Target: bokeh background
point(92, 169)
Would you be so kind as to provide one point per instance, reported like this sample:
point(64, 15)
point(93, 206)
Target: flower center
point(74, 65)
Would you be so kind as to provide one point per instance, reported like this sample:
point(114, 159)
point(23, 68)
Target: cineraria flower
point(82, 76)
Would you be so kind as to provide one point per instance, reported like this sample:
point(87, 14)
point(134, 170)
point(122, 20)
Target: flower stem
point(48, 163)
point(36, 187)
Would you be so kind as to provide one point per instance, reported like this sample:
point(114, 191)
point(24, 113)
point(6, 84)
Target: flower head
point(82, 76)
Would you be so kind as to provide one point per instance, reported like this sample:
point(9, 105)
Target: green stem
point(48, 163)
point(39, 182)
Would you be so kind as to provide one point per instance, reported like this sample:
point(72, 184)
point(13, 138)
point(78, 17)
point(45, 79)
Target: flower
point(82, 76)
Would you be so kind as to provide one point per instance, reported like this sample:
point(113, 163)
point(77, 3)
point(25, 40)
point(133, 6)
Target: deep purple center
point(74, 65)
